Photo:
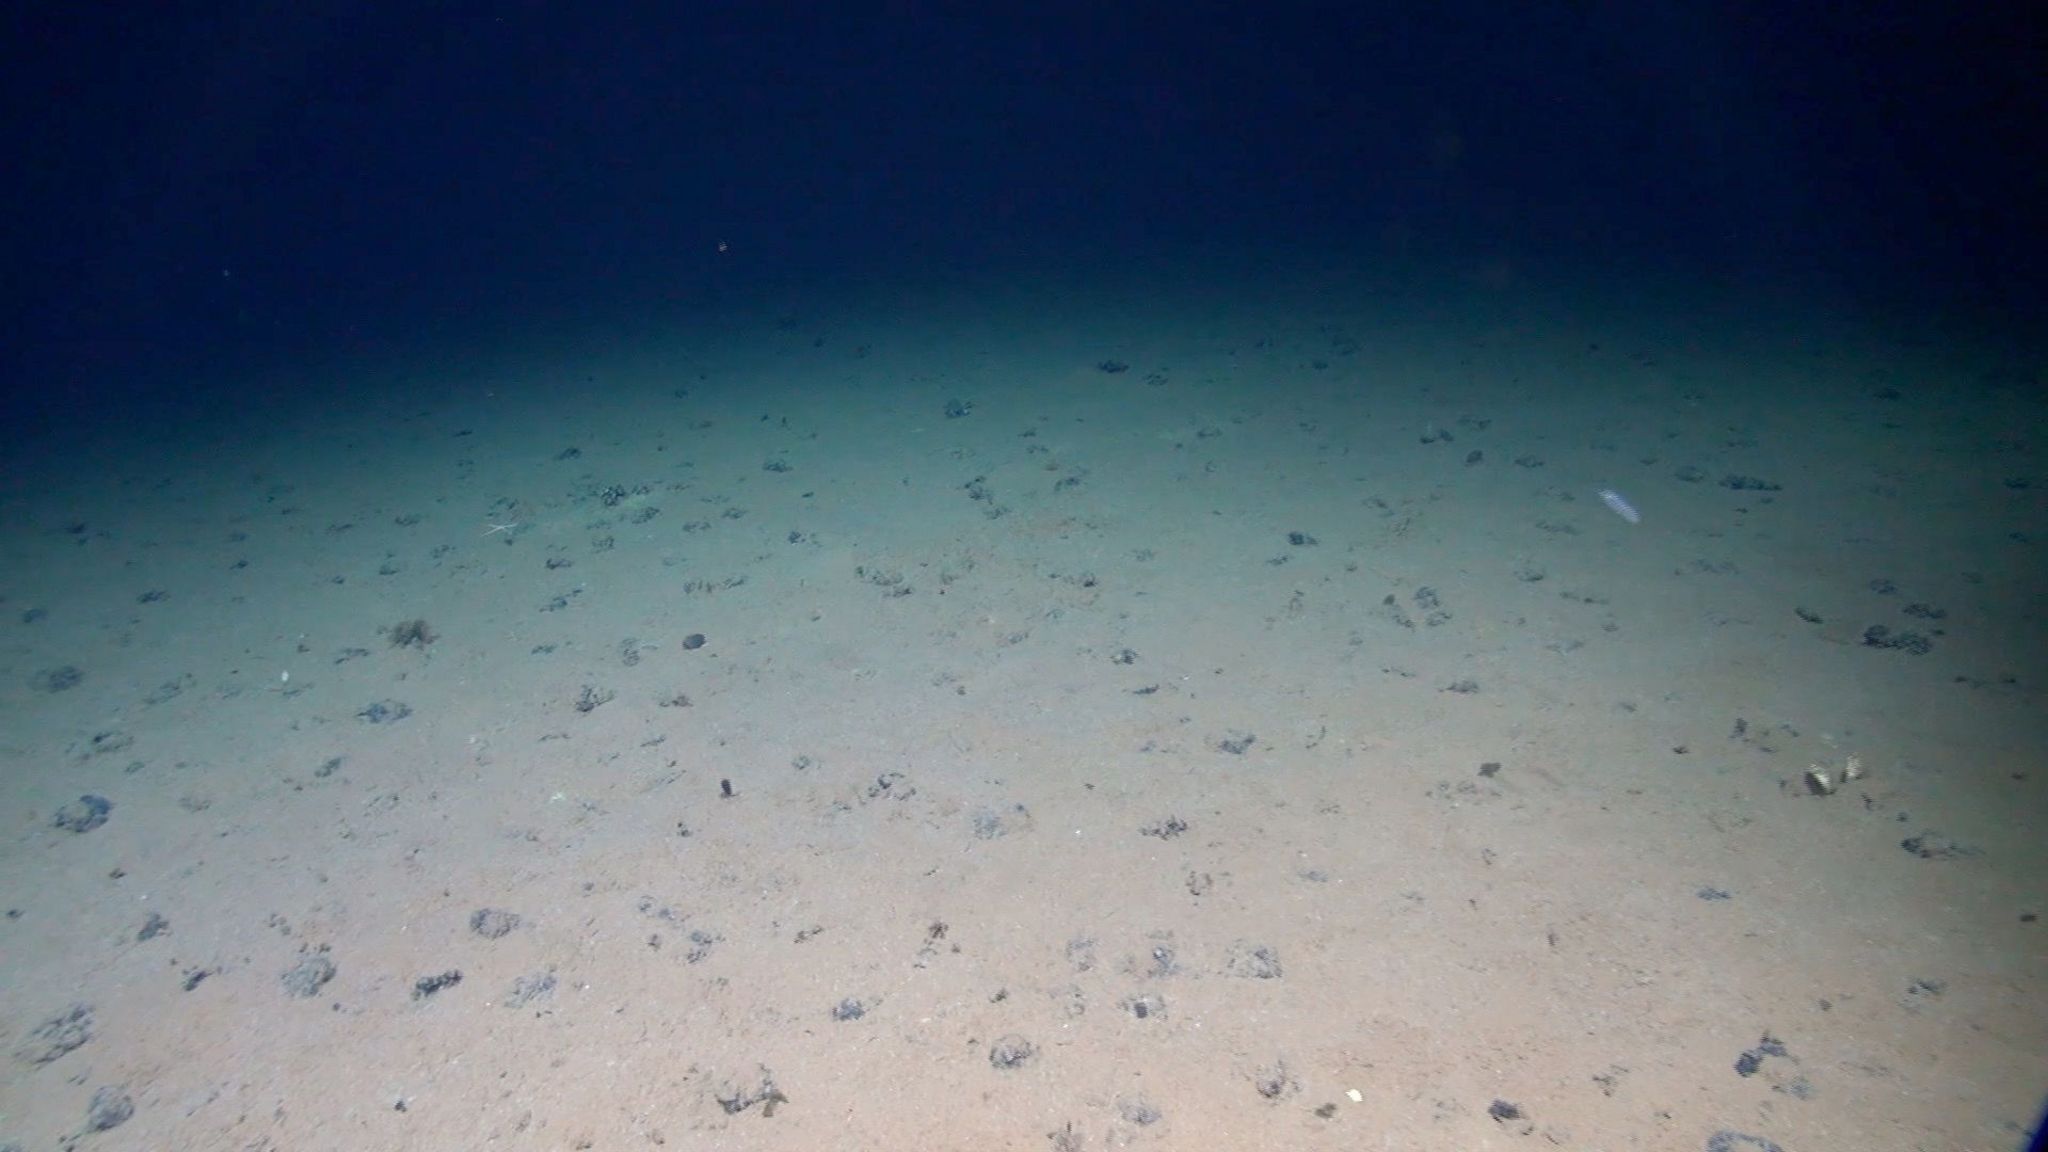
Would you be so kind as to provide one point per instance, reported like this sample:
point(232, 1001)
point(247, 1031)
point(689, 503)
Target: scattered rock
point(86, 814)
point(62, 1033)
point(1275, 1081)
point(1165, 829)
point(1751, 1061)
point(1137, 1110)
point(1146, 1007)
point(110, 1108)
point(1730, 1141)
point(526, 989)
point(994, 823)
point(109, 742)
point(426, 986)
point(59, 679)
point(1011, 1051)
point(1921, 991)
point(493, 923)
point(384, 711)
point(410, 634)
point(1933, 846)
point(738, 1095)
point(1253, 961)
point(1879, 636)
point(309, 975)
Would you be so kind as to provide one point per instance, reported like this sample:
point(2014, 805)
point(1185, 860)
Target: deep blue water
point(197, 189)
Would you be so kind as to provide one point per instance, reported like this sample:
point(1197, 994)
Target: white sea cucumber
point(1621, 507)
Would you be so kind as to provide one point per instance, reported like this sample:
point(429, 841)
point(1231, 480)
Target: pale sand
point(976, 682)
